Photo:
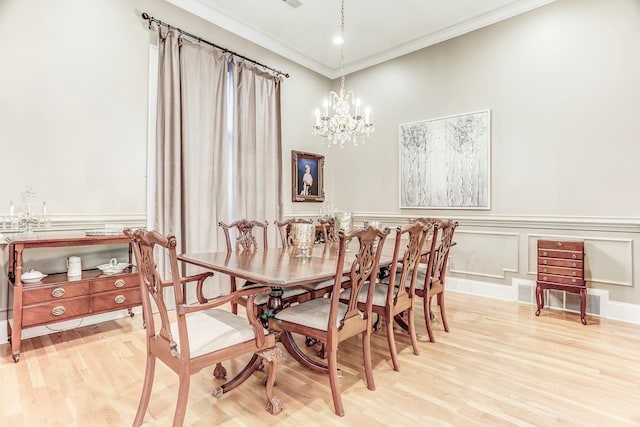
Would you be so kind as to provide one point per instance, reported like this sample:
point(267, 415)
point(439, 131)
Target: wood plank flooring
point(499, 366)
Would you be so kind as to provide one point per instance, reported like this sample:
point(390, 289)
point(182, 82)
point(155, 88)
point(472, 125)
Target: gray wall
point(562, 85)
point(73, 111)
point(561, 82)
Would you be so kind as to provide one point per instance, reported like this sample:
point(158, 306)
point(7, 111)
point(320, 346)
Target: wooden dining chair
point(202, 335)
point(284, 229)
point(396, 297)
point(330, 321)
point(430, 284)
point(328, 230)
point(320, 289)
point(245, 240)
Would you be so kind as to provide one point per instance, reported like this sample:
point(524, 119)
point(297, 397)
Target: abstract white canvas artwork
point(445, 162)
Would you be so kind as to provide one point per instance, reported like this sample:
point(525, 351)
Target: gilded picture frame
point(307, 177)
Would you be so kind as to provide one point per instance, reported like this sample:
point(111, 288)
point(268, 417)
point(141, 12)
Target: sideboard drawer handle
point(119, 299)
point(574, 273)
point(574, 256)
point(544, 278)
point(574, 264)
point(544, 254)
point(544, 270)
point(57, 292)
point(58, 310)
point(119, 283)
point(559, 244)
point(573, 280)
point(544, 261)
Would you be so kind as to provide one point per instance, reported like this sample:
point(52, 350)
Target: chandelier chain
point(342, 78)
point(341, 119)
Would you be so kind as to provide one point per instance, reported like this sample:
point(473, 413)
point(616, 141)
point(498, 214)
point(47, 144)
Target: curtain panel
point(211, 167)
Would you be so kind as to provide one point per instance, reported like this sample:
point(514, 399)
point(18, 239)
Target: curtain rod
point(151, 19)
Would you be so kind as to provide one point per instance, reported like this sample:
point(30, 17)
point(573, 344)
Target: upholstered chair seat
point(214, 329)
point(313, 314)
point(379, 293)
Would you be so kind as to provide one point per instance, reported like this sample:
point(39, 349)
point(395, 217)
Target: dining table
point(279, 268)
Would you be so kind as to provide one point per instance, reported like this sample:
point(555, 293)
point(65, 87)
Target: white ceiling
point(375, 30)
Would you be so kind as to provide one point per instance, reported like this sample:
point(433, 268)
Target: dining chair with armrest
point(330, 321)
point(202, 335)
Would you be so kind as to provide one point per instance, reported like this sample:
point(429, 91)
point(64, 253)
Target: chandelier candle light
point(342, 125)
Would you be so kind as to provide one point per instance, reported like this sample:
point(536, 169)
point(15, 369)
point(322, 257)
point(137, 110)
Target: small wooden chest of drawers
point(561, 266)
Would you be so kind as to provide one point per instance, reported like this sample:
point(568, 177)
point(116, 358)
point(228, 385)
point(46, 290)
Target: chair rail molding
point(578, 223)
point(68, 222)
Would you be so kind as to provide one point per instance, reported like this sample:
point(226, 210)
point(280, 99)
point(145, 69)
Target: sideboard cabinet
point(561, 267)
point(57, 297)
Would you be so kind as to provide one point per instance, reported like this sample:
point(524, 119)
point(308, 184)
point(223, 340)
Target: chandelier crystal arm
point(338, 123)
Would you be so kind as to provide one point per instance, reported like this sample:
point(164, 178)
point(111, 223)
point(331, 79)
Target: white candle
point(44, 209)
point(358, 107)
point(366, 113)
point(317, 117)
point(326, 108)
point(12, 209)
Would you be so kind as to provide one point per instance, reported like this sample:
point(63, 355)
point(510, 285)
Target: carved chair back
point(364, 270)
point(284, 229)
point(328, 230)
point(244, 238)
point(402, 284)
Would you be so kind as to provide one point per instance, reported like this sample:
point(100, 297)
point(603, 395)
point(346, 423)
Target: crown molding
point(206, 12)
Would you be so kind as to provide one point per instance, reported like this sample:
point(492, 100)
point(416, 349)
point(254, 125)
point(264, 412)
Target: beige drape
point(209, 168)
point(257, 151)
point(192, 141)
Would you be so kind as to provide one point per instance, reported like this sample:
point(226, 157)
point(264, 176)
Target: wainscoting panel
point(484, 254)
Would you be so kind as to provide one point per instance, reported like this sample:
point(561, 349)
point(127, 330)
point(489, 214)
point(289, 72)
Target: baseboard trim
point(610, 309)
point(623, 311)
point(67, 325)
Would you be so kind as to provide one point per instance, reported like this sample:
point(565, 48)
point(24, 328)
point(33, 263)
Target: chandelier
point(341, 119)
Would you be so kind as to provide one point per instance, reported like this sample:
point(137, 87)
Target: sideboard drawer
point(115, 282)
point(116, 299)
point(55, 311)
point(55, 292)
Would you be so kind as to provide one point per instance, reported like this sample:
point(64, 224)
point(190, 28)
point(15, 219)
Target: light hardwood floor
point(499, 365)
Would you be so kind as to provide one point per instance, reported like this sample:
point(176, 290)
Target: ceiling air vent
point(293, 3)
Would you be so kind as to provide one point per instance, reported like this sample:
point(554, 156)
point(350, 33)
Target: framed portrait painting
point(307, 178)
point(445, 163)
